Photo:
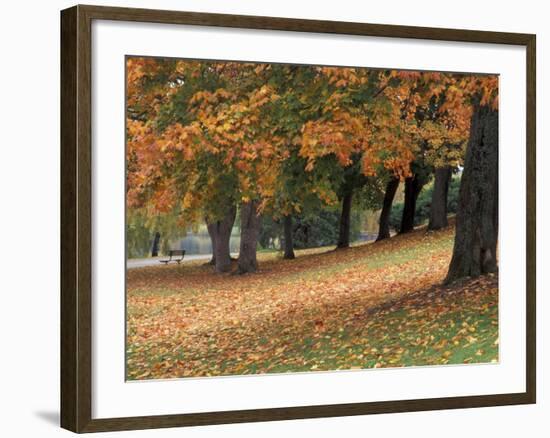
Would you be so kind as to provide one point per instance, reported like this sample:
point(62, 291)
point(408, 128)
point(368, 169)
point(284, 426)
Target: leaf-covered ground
point(374, 305)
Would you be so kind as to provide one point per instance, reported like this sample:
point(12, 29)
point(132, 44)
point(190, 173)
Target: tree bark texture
point(413, 186)
point(345, 221)
point(288, 243)
point(384, 221)
point(250, 228)
point(220, 235)
point(475, 246)
point(438, 208)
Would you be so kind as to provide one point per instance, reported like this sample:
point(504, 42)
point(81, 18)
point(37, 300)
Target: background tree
point(362, 126)
point(156, 244)
point(439, 201)
point(389, 195)
point(424, 204)
point(296, 191)
point(445, 129)
point(420, 176)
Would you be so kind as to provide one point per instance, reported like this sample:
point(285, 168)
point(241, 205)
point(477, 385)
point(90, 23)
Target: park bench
point(175, 255)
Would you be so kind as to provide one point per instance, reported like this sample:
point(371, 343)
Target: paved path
point(154, 261)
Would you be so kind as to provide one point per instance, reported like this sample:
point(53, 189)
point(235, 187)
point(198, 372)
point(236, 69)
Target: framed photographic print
point(269, 218)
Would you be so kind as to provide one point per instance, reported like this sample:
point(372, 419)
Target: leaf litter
point(375, 305)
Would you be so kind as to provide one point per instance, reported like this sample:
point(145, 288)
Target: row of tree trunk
point(475, 246)
point(476, 238)
point(413, 187)
point(477, 217)
point(220, 230)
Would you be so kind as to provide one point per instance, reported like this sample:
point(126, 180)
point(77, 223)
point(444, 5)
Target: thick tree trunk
point(220, 234)
point(475, 246)
point(438, 208)
point(155, 246)
point(288, 243)
point(212, 233)
point(384, 221)
point(413, 186)
point(345, 221)
point(250, 228)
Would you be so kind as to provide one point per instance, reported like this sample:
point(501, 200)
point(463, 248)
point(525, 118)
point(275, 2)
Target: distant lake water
point(200, 243)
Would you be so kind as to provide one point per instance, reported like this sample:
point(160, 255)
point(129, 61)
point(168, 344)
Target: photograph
point(291, 218)
point(274, 220)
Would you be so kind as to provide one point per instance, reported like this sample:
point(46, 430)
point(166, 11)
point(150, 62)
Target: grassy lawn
point(373, 305)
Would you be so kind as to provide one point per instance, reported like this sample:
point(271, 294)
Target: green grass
point(404, 338)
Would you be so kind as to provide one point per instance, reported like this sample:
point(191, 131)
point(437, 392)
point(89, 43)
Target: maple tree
point(438, 137)
point(400, 123)
point(358, 129)
point(203, 151)
point(299, 98)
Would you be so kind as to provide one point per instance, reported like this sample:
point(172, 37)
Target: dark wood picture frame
point(76, 225)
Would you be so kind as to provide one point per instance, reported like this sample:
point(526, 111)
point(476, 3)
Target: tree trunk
point(413, 186)
point(220, 234)
point(156, 244)
point(345, 221)
point(384, 221)
point(288, 244)
point(212, 233)
point(250, 228)
point(475, 246)
point(438, 208)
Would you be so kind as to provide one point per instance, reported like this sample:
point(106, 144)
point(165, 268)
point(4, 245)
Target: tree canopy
point(206, 136)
